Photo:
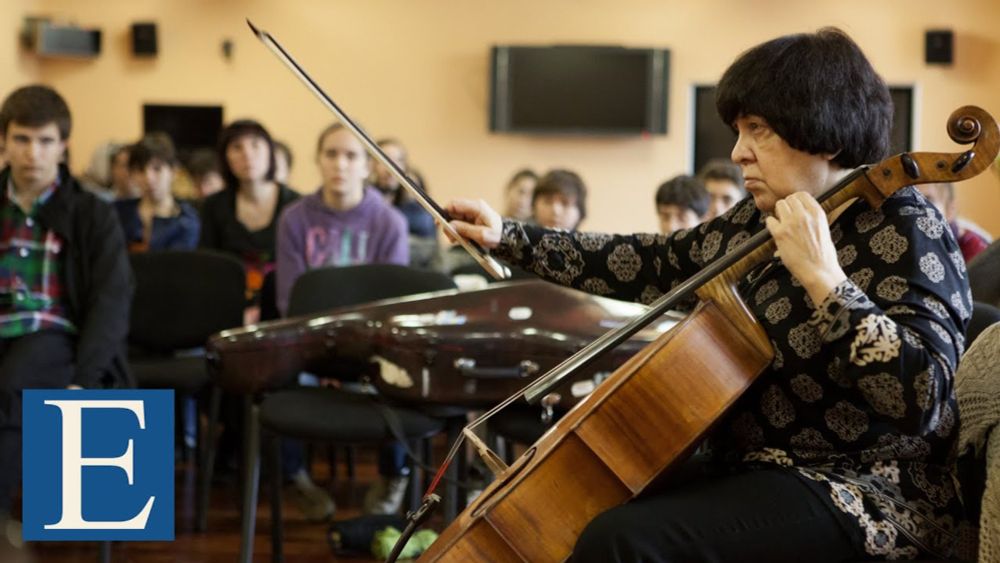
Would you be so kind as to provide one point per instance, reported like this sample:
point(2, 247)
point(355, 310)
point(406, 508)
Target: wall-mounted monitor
point(579, 90)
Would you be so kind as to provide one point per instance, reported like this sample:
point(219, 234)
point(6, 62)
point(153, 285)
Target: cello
point(604, 452)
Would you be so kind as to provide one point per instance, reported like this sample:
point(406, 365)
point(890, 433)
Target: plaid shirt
point(30, 286)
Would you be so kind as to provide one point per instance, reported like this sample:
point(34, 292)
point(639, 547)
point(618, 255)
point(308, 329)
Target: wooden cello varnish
point(609, 448)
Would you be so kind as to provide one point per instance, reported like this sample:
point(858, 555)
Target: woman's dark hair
point(722, 169)
point(817, 91)
point(35, 106)
point(686, 192)
point(563, 182)
point(233, 131)
point(153, 146)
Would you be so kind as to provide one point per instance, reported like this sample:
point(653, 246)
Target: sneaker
point(314, 503)
point(385, 496)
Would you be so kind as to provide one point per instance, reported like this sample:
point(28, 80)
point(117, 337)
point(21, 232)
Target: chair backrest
point(984, 275)
point(269, 298)
point(183, 297)
point(983, 315)
point(343, 286)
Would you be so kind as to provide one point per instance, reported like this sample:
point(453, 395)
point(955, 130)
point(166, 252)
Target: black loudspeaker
point(144, 39)
point(939, 46)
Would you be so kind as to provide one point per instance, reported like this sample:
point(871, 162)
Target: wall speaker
point(144, 39)
point(939, 46)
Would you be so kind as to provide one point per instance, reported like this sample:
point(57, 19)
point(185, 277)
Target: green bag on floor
point(385, 540)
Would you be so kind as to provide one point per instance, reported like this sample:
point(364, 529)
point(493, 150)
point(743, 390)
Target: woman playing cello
point(843, 448)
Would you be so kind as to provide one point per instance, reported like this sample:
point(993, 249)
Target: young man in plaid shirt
point(65, 280)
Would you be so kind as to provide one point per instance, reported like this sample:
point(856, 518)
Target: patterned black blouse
point(859, 399)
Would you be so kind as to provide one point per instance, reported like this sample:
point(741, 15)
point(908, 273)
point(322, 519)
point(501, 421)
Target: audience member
point(282, 162)
point(206, 176)
point(242, 219)
point(156, 221)
point(419, 222)
point(723, 181)
point(66, 285)
point(971, 238)
point(122, 185)
point(517, 195)
point(425, 252)
point(681, 202)
point(559, 200)
point(345, 222)
point(97, 177)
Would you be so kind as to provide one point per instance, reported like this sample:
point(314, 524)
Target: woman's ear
point(831, 156)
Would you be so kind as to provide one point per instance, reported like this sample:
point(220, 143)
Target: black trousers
point(766, 515)
point(42, 360)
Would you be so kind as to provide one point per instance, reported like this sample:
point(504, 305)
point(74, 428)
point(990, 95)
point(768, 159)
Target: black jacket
point(96, 277)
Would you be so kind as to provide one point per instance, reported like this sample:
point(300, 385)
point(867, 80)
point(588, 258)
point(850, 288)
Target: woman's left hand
point(802, 235)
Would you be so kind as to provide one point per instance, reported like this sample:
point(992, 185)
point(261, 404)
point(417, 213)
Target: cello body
point(470, 349)
point(640, 422)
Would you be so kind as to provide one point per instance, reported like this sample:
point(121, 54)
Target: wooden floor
point(304, 542)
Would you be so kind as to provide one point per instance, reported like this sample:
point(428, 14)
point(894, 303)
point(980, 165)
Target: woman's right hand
point(476, 221)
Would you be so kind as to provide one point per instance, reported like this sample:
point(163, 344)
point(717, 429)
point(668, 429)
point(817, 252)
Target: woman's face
point(249, 157)
point(343, 163)
point(518, 198)
point(155, 180)
point(557, 211)
point(772, 169)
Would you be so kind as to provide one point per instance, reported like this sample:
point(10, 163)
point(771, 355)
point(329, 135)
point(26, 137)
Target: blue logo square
point(98, 465)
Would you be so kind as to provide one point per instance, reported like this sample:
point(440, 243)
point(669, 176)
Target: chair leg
point(331, 460)
point(207, 459)
point(415, 472)
point(104, 552)
point(251, 477)
point(349, 457)
point(274, 465)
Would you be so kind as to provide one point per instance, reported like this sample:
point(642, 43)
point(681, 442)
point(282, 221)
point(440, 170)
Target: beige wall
point(18, 69)
point(418, 71)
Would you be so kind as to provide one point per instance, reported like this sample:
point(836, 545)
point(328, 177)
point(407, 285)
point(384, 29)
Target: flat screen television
point(579, 90)
point(190, 127)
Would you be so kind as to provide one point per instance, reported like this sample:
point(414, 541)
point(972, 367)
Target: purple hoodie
point(311, 235)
